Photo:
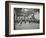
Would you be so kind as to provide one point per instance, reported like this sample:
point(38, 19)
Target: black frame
point(7, 18)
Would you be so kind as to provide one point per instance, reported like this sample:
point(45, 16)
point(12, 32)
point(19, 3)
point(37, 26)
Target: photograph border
point(7, 18)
